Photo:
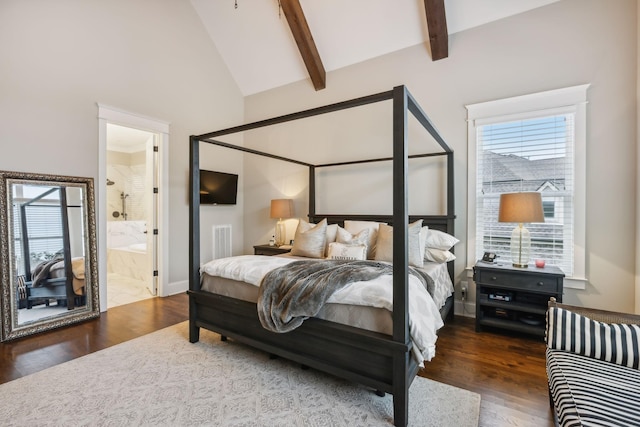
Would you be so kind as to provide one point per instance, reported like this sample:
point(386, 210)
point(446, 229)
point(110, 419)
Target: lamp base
point(281, 233)
point(520, 246)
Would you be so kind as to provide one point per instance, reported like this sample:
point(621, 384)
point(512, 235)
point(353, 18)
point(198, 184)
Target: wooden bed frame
point(376, 360)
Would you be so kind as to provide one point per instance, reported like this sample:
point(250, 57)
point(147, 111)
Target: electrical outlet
point(463, 290)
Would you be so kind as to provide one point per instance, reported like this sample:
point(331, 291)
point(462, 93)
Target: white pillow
point(343, 251)
point(424, 231)
point(332, 232)
point(355, 227)
point(310, 240)
point(438, 255)
point(384, 245)
point(440, 240)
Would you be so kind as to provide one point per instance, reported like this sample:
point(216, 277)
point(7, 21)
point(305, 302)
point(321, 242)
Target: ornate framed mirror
point(48, 259)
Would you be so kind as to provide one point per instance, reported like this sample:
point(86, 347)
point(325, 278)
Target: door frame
point(108, 114)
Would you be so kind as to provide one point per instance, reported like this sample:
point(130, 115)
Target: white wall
point(149, 57)
point(564, 44)
point(637, 277)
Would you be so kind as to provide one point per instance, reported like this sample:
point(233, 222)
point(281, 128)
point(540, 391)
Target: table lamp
point(281, 208)
point(521, 208)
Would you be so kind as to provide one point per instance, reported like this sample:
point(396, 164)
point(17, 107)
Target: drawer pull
point(494, 278)
point(540, 283)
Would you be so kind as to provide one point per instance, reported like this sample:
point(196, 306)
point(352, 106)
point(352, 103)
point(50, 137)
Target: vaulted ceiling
point(270, 43)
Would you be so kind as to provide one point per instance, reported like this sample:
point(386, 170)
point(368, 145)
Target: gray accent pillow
point(310, 240)
point(360, 238)
point(384, 245)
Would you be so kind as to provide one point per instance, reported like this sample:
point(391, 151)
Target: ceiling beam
point(438, 34)
point(307, 47)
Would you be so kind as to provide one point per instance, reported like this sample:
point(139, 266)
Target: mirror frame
point(10, 329)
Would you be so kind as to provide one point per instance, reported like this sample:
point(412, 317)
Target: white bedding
point(424, 316)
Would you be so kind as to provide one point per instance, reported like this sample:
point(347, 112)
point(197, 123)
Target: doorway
point(131, 207)
point(130, 214)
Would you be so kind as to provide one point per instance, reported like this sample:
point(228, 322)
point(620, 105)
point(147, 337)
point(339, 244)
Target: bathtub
point(130, 261)
point(137, 247)
point(127, 249)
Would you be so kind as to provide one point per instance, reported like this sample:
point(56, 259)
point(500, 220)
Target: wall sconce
point(521, 208)
point(281, 208)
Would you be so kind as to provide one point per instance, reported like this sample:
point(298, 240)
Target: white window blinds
point(529, 154)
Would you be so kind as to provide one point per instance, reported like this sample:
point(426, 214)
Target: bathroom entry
point(132, 213)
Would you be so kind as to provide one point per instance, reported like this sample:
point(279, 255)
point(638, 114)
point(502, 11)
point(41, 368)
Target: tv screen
point(218, 188)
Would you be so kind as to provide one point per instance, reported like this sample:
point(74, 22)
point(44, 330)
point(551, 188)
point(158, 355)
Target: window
point(530, 143)
point(549, 209)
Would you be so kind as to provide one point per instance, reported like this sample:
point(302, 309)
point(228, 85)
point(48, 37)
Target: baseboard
point(174, 288)
point(466, 310)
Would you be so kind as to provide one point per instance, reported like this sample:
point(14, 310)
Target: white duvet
point(424, 317)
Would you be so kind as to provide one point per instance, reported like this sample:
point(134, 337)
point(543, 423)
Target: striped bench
point(592, 362)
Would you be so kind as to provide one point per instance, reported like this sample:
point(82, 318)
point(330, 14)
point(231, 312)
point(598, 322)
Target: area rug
point(161, 379)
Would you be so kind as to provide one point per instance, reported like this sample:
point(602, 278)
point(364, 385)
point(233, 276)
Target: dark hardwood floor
point(508, 371)
point(119, 324)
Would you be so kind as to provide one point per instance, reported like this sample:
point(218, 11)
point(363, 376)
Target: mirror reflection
point(50, 238)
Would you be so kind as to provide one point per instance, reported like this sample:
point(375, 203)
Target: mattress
point(364, 317)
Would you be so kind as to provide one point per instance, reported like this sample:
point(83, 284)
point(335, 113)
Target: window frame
point(566, 100)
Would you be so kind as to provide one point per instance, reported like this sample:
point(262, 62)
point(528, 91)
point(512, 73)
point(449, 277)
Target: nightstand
point(269, 250)
point(513, 298)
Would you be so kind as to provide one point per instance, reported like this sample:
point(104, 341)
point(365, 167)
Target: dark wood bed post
point(66, 249)
point(25, 243)
point(312, 191)
point(400, 257)
point(420, 115)
point(450, 210)
point(194, 234)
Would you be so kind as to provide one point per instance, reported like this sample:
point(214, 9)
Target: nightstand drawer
point(270, 250)
point(530, 282)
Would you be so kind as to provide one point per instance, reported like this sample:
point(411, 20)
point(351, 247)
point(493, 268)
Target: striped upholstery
point(617, 343)
point(591, 392)
point(22, 288)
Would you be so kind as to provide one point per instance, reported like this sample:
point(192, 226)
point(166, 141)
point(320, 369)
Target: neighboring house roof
point(511, 172)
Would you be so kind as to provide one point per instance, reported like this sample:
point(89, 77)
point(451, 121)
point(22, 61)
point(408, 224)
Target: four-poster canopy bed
point(382, 361)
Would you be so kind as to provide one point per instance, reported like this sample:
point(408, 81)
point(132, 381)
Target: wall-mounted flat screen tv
point(218, 188)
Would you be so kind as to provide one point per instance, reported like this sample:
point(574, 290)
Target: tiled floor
point(124, 290)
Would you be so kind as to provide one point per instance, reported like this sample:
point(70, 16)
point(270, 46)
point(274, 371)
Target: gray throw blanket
point(292, 293)
point(41, 271)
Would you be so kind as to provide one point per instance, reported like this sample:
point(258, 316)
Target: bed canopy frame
point(372, 359)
